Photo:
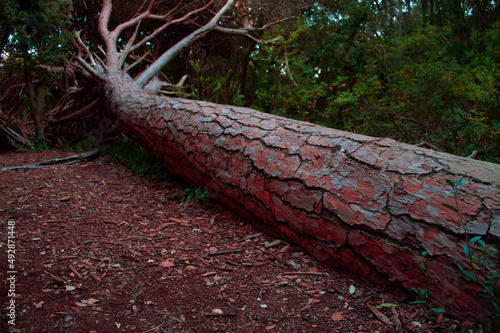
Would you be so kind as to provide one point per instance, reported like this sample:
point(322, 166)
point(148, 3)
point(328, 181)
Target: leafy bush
point(138, 160)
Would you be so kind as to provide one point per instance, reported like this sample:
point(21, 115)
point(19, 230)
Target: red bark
point(367, 205)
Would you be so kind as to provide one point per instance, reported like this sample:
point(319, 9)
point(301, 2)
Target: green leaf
point(417, 302)
point(450, 183)
point(469, 275)
point(490, 288)
point(388, 305)
point(466, 251)
point(424, 253)
point(451, 207)
point(485, 296)
point(457, 183)
point(495, 305)
point(439, 310)
point(475, 239)
point(449, 194)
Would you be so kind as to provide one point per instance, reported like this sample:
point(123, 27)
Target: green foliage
point(389, 305)
point(426, 78)
point(192, 195)
point(38, 145)
point(40, 28)
point(211, 85)
point(422, 294)
point(138, 160)
point(289, 83)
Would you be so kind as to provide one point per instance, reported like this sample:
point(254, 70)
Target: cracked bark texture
point(367, 205)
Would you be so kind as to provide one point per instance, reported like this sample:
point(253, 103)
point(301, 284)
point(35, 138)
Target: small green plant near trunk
point(422, 294)
point(481, 258)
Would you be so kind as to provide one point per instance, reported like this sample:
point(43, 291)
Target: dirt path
point(98, 249)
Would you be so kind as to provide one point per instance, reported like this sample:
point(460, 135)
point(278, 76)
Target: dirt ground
point(99, 249)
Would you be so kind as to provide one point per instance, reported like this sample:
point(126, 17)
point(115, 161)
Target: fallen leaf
point(39, 304)
point(268, 328)
point(380, 315)
point(273, 243)
point(337, 316)
point(352, 289)
point(90, 301)
point(168, 263)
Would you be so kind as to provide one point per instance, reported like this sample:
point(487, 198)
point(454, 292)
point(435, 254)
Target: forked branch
point(116, 60)
point(167, 56)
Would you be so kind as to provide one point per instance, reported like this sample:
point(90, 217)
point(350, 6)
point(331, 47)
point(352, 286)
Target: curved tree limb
point(79, 114)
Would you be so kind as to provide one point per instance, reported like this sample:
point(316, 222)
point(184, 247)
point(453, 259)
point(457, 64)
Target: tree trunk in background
point(33, 105)
point(363, 204)
point(244, 75)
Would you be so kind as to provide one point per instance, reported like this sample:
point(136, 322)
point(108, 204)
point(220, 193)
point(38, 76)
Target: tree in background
point(34, 37)
point(421, 72)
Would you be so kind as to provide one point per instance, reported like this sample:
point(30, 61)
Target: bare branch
point(104, 19)
point(109, 38)
point(137, 61)
point(247, 29)
point(82, 47)
point(288, 70)
point(166, 25)
point(99, 60)
point(170, 13)
point(7, 91)
point(152, 70)
point(79, 114)
point(265, 26)
point(246, 32)
point(126, 51)
point(130, 23)
point(90, 69)
point(100, 49)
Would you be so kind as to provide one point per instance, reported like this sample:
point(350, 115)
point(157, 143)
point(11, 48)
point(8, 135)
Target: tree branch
point(246, 32)
point(137, 61)
point(81, 47)
point(90, 69)
point(165, 58)
point(166, 25)
point(79, 114)
point(109, 38)
point(126, 51)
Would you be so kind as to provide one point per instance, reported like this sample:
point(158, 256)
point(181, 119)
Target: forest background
point(424, 72)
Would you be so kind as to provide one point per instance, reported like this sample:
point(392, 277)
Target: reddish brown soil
point(98, 250)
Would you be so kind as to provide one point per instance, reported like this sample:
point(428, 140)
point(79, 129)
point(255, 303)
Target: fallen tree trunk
point(367, 205)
